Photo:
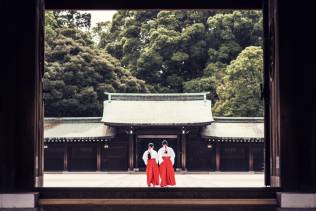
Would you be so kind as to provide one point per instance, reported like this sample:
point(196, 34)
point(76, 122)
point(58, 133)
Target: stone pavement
point(102, 179)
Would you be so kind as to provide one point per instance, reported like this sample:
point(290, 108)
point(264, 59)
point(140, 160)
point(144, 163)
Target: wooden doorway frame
point(36, 113)
point(268, 8)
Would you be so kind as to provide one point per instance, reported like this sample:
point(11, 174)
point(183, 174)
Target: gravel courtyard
point(97, 179)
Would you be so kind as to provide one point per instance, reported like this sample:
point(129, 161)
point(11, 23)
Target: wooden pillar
point(66, 151)
point(184, 152)
point(250, 157)
point(178, 154)
point(20, 126)
point(218, 158)
point(39, 144)
point(131, 150)
point(136, 154)
point(99, 157)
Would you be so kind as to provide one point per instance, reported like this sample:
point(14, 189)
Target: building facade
point(117, 141)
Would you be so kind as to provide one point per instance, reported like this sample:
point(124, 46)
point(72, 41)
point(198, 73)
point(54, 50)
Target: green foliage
point(239, 93)
point(202, 85)
point(153, 51)
point(149, 65)
point(168, 48)
point(77, 74)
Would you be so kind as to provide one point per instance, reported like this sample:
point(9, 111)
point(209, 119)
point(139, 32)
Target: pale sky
point(100, 15)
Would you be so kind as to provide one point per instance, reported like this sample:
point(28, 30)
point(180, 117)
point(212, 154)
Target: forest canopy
point(158, 51)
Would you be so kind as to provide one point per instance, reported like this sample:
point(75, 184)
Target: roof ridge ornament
point(157, 96)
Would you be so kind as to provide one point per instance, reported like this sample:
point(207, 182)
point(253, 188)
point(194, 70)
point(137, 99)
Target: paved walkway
point(139, 180)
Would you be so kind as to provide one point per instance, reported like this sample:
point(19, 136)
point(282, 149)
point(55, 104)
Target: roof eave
point(80, 137)
point(221, 137)
point(119, 124)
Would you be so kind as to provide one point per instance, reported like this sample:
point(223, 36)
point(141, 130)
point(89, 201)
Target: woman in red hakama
point(150, 158)
point(166, 157)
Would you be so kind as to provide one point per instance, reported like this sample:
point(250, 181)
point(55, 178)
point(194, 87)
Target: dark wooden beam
point(293, 96)
point(162, 193)
point(20, 96)
point(154, 4)
point(267, 59)
point(39, 115)
point(155, 202)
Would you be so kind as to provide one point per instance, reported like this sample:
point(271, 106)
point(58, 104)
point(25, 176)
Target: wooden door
point(114, 154)
point(82, 157)
point(54, 157)
point(200, 155)
point(234, 157)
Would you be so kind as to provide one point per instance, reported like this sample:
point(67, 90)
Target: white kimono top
point(153, 155)
point(170, 153)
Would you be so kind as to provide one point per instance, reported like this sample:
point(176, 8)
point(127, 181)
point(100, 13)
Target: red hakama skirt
point(166, 173)
point(152, 172)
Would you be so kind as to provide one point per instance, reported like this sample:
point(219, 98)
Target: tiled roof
point(76, 127)
point(157, 109)
point(232, 127)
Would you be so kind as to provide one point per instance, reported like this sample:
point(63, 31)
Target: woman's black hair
point(165, 142)
point(150, 145)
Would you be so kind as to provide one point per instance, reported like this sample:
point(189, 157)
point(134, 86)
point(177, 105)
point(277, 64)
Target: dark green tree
point(239, 93)
point(150, 51)
point(169, 48)
point(77, 74)
point(228, 34)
